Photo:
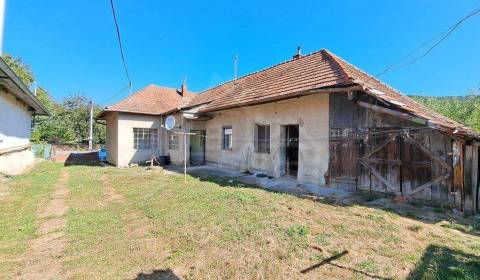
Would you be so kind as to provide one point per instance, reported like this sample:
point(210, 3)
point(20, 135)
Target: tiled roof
point(151, 100)
point(317, 70)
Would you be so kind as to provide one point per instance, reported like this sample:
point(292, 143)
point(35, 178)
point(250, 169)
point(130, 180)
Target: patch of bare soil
point(110, 193)
point(43, 257)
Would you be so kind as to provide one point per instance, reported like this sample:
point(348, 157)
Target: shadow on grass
point(444, 263)
point(415, 211)
point(328, 261)
point(88, 159)
point(161, 274)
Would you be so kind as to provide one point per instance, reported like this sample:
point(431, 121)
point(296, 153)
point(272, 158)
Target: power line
point(115, 95)
point(444, 35)
point(120, 43)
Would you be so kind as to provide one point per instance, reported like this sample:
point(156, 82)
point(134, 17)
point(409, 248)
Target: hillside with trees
point(463, 109)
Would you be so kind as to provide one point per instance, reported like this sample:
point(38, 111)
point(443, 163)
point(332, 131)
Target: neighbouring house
point(314, 118)
point(135, 125)
point(17, 107)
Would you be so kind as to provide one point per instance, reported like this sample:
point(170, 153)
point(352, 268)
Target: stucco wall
point(126, 154)
point(310, 113)
point(177, 156)
point(15, 122)
point(17, 162)
point(112, 138)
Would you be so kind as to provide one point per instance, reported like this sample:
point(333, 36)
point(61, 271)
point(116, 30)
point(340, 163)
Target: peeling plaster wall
point(309, 112)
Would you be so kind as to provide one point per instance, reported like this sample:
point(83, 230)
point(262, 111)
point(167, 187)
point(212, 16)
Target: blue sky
point(71, 45)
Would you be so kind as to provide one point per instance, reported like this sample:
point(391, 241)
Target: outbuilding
point(18, 106)
point(320, 120)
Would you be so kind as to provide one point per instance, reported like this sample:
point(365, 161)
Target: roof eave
point(23, 92)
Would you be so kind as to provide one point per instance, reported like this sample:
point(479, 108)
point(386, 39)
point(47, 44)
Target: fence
point(42, 150)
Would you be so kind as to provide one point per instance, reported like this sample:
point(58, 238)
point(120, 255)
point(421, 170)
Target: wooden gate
point(382, 162)
point(344, 149)
point(401, 163)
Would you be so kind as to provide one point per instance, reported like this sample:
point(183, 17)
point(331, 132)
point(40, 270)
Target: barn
point(318, 119)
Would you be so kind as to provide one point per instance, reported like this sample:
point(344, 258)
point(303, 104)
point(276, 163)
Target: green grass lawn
point(128, 223)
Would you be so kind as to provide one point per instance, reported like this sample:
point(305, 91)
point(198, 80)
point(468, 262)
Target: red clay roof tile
point(151, 100)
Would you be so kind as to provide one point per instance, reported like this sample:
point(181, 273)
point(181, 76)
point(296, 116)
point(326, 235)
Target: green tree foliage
point(463, 109)
point(69, 122)
point(22, 70)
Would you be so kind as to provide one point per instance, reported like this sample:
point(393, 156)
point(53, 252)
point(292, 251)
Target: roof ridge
point(261, 70)
point(141, 90)
point(335, 57)
point(373, 78)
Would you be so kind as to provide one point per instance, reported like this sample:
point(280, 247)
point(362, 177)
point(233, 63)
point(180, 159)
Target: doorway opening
point(291, 150)
point(197, 147)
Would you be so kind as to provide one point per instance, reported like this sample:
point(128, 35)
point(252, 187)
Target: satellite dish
point(170, 122)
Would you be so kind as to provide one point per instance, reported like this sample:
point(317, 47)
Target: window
point(227, 138)
point(172, 141)
point(262, 138)
point(145, 138)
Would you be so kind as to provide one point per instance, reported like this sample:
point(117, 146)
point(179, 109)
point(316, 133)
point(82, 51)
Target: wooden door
point(342, 167)
point(381, 162)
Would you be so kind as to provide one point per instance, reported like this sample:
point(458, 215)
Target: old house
point(320, 120)
point(17, 107)
point(134, 125)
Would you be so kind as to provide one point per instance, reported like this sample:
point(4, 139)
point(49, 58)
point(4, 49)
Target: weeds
point(415, 228)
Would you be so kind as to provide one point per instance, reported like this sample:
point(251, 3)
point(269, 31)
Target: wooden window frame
point(172, 141)
point(145, 138)
point(262, 138)
point(227, 139)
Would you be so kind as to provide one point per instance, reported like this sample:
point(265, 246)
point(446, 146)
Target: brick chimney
point(183, 90)
point(298, 54)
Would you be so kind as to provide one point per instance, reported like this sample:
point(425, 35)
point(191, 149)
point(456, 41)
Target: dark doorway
point(197, 147)
point(291, 150)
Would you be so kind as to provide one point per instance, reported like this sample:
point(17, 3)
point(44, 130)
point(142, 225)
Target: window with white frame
point(227, 140)
point(172, 141)
point(145, 138)
point(262, 138)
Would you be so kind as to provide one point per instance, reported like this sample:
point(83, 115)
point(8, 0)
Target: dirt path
point(138, 228)
point(43, 257)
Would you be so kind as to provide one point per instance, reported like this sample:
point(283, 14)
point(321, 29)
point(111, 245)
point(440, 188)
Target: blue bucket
point(102, 154)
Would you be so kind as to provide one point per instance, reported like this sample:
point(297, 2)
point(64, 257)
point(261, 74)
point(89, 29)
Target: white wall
point(310, 113)
point(112, 138)
point(126, 154)
point(15, 122)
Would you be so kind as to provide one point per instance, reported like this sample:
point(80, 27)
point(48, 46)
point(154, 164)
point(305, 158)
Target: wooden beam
point(380, 146)
point(470, 179)
point(426, 151)
point(384, 161)
point(375, 173)
point(394, 113)
point(430, 183)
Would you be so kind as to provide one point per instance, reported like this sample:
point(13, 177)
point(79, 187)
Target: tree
point(69, 122)
point(22, 70)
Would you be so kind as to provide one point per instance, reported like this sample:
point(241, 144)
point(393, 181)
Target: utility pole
point(90, 134)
